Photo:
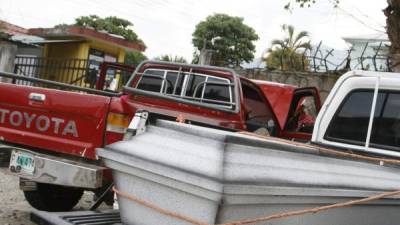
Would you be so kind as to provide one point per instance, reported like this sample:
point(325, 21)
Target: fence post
point(362, 56)
point(281, 58)
point(303, 59)
point(315, 55)
point(376, 54)
point(325, 59)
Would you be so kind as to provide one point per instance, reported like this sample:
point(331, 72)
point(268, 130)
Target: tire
point(53, 198)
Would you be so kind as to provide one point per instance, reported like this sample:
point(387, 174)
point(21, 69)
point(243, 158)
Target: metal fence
point(321, 59)
point(68, 71)
point(78, 72)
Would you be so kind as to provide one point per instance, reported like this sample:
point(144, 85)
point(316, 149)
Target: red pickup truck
point(53, 133)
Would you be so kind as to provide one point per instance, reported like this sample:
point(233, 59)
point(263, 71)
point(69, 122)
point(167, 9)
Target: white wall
point(7, 57)
point(370, 51)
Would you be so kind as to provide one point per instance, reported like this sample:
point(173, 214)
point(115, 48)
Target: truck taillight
point(117, 123)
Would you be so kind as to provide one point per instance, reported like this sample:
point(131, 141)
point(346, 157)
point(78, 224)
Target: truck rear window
point(191, 86)
point(194, 81)
point(350, 123)
point(151, 81)
point(213, 91)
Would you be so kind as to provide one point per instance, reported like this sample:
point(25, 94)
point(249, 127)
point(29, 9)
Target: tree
point(196, 58)
point(134, 58)
point(170, 58)
point(111, 24)
point(285, 54)
point(392, 13)
point(229, 39)
point(308, 3)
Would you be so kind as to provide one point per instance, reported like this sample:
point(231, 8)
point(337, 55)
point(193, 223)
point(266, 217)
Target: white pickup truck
point(362, 113)
point(219, 177)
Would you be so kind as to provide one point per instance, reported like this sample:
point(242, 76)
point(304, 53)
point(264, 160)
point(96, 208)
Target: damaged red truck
point(53, 133)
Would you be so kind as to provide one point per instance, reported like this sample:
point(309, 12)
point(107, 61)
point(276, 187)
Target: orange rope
point(259, 219)
point(158, 209)
point(326, 150)
point(312, 210)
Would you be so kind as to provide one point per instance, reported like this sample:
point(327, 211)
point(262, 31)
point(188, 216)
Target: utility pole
point(205, 57)
point(206, 54)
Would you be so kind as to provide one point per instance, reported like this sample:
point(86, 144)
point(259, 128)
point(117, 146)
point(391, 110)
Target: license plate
point(22, 162)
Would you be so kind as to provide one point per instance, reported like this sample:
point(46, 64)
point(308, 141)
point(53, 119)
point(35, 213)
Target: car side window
point(350, 123)
point(302, 114)
point(386, 125)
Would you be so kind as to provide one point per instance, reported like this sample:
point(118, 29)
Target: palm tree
point(285, 54)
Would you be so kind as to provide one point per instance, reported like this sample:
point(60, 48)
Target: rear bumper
point(60, 171)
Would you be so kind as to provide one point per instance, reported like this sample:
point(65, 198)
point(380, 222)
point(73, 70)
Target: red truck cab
point(214, 96)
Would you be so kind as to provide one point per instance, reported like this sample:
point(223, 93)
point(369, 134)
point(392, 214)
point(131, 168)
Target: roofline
point(87, 33)
point(12, 28)
point(348, 39)
point(364, 73)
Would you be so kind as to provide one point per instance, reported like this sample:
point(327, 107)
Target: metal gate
point(68, 71)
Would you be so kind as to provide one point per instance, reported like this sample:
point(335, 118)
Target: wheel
point(53, 198)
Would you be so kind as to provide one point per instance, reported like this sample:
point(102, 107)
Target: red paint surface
point(279, 97)
point(88, 112)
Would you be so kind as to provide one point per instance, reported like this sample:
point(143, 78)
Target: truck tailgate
point(54, 120)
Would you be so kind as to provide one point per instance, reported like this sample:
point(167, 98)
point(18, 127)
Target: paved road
point(14, 210)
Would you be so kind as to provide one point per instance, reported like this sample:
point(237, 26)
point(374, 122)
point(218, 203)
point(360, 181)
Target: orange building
point(80, 47)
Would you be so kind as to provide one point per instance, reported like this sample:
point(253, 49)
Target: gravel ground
point(13, 207)
point(14, 210)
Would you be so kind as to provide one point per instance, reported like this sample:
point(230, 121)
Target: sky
point(166, 26)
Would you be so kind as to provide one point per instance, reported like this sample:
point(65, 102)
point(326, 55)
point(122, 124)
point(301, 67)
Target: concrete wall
point(323, 81)
point(7, 57)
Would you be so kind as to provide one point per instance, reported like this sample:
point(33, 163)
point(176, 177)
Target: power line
point(367, 16)
point(134, 5)
point(356, 18)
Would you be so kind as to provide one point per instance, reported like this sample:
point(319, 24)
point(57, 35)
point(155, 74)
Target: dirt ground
point(13, 207)
point(14, 210)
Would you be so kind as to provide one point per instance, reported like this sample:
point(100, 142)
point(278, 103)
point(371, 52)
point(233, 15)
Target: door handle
point(37, 97)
